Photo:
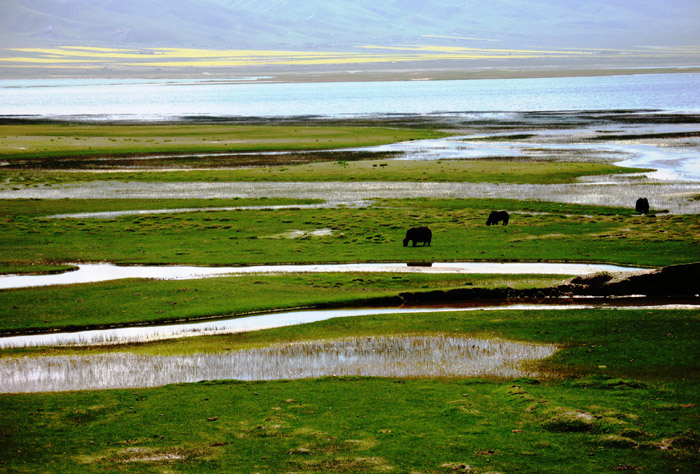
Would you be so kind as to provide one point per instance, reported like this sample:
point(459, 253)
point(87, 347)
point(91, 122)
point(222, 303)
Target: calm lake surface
point(104, 99)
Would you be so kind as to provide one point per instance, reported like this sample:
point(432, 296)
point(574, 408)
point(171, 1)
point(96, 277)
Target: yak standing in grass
point(418, 234)
point(642, 206)
point(498, 216)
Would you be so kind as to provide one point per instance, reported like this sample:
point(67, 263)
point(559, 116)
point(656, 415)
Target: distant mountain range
point(345, 24)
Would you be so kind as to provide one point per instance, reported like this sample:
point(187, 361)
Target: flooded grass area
point(397, 356)
point(130, 302)
point(585, 388)
point(673, 197)
point(629, 395)
point(46, 141)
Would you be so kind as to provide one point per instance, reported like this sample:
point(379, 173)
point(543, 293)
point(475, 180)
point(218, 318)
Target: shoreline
point(261, 76)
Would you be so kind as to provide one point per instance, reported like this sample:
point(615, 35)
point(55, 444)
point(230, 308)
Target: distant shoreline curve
point(274, 75)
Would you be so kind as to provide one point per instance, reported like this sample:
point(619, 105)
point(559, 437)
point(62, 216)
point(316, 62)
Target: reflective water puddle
point(670, 163)
point(389, 356)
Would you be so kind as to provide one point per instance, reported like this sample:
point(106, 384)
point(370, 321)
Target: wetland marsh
point(614, 389)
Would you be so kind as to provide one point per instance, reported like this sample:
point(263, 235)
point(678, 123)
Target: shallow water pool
point(387, 356)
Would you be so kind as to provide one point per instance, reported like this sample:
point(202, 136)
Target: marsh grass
point(646, 392)
point(133, 302)
point(358, 424)
point(392, 356)
point(73, 139)
point(466, 171)
point(539, 232)
point(347, 424)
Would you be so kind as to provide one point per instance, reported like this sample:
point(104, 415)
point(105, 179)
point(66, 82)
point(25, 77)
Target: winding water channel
point(141, 334)
point(390, 356)
point(674, 186)
point(393, 356)
point(97, 272)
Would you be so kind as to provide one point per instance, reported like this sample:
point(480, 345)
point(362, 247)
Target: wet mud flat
point(451, 120)
point(676, 198)
point(668, 143)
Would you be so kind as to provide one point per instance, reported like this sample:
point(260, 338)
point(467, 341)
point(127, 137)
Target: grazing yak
point(418, 234)
point(497, 216)
point(642, 206)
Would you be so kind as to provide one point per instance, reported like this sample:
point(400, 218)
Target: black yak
point(418, 234)
point(642, 206)
point(497, 216)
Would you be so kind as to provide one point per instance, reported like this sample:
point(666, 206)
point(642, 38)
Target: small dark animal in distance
point(642, 206)
point(418, 234)
point(497, 216)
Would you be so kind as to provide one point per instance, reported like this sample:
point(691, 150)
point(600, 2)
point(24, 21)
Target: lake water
point(168, 99)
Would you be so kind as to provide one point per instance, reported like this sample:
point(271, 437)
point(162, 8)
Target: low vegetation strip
point(51, 140)
point(459, 171)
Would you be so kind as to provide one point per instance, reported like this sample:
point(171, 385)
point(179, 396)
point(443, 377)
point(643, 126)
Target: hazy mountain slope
point(344, 24)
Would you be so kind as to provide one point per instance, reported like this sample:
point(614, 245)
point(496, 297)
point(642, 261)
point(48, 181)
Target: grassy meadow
point(627, 401)
point(124, 302)
point(619, 395)
point(55, 140)
point(537, 232)
point(462, 171)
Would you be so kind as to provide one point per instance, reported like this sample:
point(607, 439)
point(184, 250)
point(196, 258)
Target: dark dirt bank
point(672, 284)
point(677, 284)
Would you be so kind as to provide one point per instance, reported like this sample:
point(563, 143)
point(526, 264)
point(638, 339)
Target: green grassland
point(537, 232)
point(78, 139)
point(620, 395)
point(632, 405)
point(125, 302)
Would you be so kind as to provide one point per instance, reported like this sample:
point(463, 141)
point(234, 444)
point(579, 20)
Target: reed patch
point(381, 356)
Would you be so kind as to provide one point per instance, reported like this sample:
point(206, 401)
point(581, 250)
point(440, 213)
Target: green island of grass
point(58, 139)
